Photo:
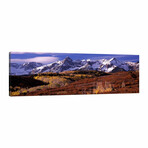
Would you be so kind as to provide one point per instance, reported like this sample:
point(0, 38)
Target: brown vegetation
point(80, 82)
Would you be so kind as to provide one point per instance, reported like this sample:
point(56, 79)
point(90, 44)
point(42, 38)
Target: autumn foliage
point(75, 82)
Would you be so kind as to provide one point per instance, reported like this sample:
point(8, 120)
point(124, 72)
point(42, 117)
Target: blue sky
point(45, 58)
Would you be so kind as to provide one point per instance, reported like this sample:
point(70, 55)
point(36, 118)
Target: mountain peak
point(113, 59)
point(67, 64)
point(67, 59)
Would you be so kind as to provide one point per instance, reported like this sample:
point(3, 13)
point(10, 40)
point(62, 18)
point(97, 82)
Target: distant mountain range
point(111, 65)
point(23, 69)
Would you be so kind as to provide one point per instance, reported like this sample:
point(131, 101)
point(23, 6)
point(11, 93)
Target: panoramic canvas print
point(37, 73)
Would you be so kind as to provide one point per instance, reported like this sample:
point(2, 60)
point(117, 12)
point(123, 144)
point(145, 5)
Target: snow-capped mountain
point(111, 65)
point(23, 69)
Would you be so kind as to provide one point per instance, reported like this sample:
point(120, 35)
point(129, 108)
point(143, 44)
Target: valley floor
point(75, 82)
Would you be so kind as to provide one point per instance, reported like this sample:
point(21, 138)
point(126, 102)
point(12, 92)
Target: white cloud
point(44, 60)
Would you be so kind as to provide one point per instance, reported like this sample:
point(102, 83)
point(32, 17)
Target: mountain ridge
point(67, 64)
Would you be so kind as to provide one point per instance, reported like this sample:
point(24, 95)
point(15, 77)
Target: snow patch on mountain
point(23, 69)
point(105, 65)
